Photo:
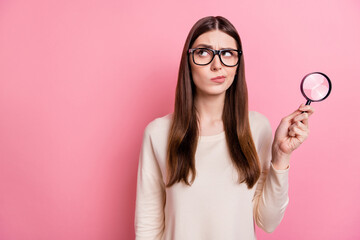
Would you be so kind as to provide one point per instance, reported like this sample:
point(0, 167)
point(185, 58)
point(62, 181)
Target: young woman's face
point(202, 75)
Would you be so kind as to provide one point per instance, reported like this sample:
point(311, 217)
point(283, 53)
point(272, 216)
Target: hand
point(291, 132)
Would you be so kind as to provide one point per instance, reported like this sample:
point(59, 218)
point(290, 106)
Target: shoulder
point(159, 126)
point(260, 128)
point(258, 120)
point(156, 135)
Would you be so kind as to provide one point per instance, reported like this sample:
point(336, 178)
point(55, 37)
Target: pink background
point(80, 80)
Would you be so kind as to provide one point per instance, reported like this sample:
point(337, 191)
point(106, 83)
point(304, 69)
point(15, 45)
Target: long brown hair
point(184, 132)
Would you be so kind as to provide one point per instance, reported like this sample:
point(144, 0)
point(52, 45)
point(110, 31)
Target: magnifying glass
point(315, 87)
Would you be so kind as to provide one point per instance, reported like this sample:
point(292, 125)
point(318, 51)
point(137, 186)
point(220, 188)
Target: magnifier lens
point(315, 87)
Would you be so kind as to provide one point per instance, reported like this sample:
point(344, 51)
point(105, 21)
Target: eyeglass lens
point(204, 56)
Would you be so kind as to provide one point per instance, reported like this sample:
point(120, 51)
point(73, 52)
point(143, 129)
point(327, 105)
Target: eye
point(202, 53)
point(227, 53)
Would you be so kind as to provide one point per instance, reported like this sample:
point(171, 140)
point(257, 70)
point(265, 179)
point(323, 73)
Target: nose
point(216, 63)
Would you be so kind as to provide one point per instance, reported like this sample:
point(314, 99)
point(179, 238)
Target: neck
point(210, 108)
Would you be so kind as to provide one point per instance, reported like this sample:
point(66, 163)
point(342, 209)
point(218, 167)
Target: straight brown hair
point(184, 132)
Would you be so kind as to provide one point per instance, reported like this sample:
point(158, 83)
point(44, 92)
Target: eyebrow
point(209, 46)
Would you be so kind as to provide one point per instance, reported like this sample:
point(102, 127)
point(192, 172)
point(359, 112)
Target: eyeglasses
point(204, 56)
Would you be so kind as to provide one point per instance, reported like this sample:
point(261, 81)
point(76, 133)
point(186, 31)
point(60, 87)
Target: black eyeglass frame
point(216, 52)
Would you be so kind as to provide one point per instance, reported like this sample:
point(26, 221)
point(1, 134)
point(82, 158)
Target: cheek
point(230, 83)
point(199, 74)
point(232, 77)
point(198, 80)
point(232, 74)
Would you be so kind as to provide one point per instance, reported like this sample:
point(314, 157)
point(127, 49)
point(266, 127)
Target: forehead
point(217, 39)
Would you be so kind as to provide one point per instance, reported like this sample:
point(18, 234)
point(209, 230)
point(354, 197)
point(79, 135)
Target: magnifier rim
point(302, 89)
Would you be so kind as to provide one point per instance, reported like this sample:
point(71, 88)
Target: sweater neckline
point(212, 137)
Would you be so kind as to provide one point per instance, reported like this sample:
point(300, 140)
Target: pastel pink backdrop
point(80, 80)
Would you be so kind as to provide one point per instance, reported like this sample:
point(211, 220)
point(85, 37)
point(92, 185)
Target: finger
point(290, 117)
point(303, 117)
point(299, 125)
point(292, 133)
point(299, 134)
point(307, 108)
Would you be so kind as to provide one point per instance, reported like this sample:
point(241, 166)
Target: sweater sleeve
point(271, 194)
point(150, 193)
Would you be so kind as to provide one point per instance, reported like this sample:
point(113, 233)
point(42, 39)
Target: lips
point(219, 79)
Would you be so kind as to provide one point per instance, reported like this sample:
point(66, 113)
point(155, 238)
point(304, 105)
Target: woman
point(210, 170)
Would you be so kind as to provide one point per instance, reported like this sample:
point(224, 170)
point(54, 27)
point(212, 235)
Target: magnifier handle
point(307, 103)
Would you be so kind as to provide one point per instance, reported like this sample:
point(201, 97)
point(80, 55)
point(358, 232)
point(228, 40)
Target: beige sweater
point(215, 206)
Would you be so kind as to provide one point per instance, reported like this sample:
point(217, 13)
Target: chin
point(213, 93)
